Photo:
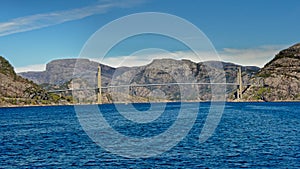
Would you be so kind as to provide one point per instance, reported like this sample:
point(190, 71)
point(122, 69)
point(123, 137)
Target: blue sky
point(247, 32)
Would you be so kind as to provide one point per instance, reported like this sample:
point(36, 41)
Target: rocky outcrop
point(278, 80)
point(61, 71)
point(59, 74)
point(162, 71)
point(15, 90)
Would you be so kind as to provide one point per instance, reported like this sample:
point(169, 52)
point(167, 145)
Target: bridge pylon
point(99, 94)
point(239, 93)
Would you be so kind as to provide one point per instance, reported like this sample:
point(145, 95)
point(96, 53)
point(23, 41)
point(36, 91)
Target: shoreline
point(71, 104)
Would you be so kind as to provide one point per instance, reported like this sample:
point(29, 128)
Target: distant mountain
point(59, 74)
point(161, 71)
point(15, 90)
point(61, 71)
point(279, 79)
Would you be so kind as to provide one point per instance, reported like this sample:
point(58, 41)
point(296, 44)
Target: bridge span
point(239, 84)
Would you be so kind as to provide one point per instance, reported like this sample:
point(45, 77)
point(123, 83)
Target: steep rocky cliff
point(59, 75)
point(279, 79)
point(162, 71)
point(15, 90)
point(61, 71)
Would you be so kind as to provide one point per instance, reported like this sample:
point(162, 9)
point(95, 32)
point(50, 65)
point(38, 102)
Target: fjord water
point(254, 135)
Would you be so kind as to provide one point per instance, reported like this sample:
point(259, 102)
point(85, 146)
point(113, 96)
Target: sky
point(248, 32)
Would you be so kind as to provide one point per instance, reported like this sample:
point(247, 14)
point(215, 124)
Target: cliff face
point(15, 90)
point(61, 71)
point(279, 79)
point(163, 71)
point(59, 75)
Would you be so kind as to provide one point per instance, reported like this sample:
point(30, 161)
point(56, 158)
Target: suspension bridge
point(239, 84)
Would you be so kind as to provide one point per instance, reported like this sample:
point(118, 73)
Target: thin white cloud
point(252, 56)
point(249, 57)
point(37, 21)
point(29, 68)
point(146, 56)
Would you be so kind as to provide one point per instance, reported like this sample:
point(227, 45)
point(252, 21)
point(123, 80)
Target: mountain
point(162, 71)
point(15, 90)
point(60, 74)
point(61, 71)
point(279, 79)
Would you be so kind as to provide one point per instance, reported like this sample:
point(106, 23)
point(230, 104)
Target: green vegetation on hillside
point(278, 80)
point(15, 90)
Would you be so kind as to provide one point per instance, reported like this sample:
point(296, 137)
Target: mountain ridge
point(15, 90)
point(157, 71)
point(107, 70)
point(279, 79)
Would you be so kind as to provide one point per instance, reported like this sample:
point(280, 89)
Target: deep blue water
point(250, 135)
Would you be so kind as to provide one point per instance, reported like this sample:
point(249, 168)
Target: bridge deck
point(145, 85)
